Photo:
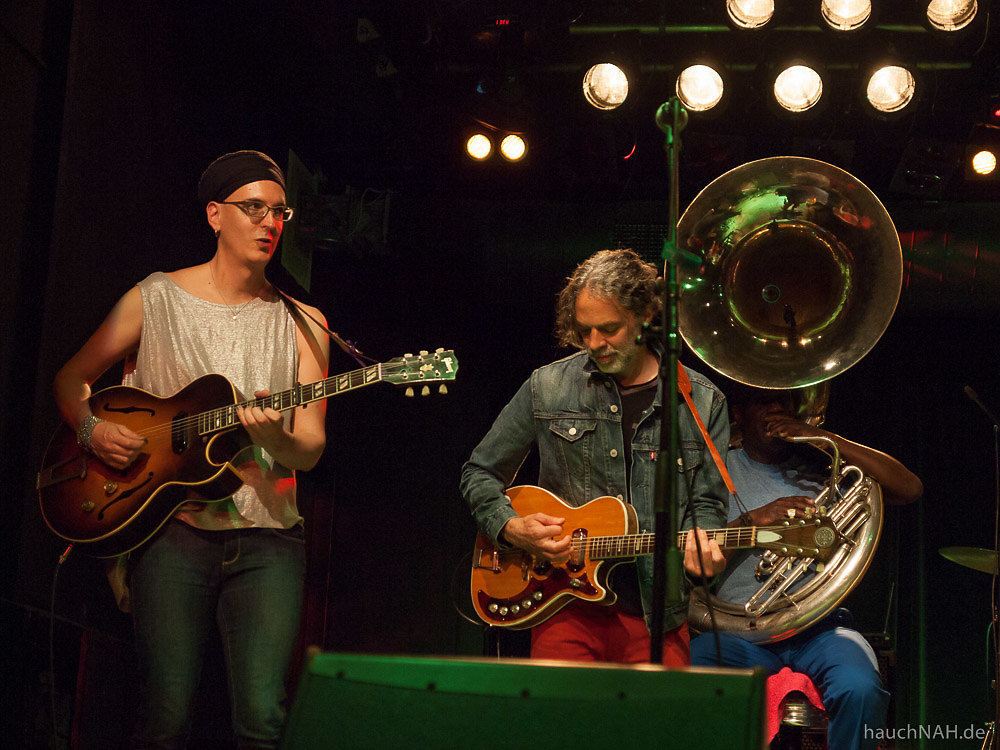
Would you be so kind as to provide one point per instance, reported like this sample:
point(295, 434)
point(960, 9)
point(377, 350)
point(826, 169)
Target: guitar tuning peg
point(409, 391)
point(425, 391)
point(439, 350)
point(408, 355)
point(442, 389)
point(424, 352)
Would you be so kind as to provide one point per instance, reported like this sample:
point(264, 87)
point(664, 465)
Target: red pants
point(583, 631)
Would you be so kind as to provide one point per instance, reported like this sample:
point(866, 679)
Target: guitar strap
point(349, 347)
point(684, 386)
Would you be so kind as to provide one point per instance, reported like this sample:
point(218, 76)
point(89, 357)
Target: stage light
point(890, 88)
point(512, 147)
point(951, 15)
point(984, 162)
point(478, 146)
point(798, 88)
point(605, 86)
point(750, 14)
point(699, 87)
point(846, 15)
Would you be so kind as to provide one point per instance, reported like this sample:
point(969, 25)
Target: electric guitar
point(513, 589)
point(192, 437)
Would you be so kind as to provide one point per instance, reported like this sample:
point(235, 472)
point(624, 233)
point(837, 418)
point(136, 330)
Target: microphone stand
point(991, 739)
point(671, 119)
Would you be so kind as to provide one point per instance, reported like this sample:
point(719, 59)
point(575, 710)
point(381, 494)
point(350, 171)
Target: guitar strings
point(590, 544)
point(154, 432)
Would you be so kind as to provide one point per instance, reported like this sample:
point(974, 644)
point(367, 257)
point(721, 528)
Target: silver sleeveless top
point(185, 337)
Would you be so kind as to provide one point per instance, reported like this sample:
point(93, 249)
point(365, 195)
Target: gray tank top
point(185, 337)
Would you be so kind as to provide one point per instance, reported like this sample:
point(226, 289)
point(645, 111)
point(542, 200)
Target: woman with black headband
point(236, 564)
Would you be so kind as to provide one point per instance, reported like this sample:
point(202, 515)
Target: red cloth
point(584, 631)
point(778, 686)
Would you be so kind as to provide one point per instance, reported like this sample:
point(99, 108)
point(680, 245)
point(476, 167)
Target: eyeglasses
point(257, 210)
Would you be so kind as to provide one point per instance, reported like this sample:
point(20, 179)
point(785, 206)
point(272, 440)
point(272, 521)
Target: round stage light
point(798, 88)
point(605, 86)
point(951, 15)
point(750, 14)
point(984, 163)
point(699, 87)
point(478, 146)
point(846, 15)
point(512, 147)
point(891, 88)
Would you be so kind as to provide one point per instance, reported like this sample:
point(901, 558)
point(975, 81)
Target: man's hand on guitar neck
point(539, 534)
point(712, 561)
point(115, 444)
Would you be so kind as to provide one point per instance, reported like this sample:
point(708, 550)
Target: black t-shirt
point(635, 399)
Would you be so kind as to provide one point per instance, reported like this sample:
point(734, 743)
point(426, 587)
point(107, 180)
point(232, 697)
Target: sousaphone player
point(777, 479)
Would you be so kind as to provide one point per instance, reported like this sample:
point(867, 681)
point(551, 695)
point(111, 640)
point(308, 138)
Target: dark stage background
point(110, 112)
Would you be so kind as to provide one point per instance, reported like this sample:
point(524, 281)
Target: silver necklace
point(223, 297)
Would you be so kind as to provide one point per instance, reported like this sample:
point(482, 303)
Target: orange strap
point(684, 386)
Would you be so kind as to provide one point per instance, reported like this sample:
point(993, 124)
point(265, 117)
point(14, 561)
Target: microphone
point(665, 116)
point(974, 397)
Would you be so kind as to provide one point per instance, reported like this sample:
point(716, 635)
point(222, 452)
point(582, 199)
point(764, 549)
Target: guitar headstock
point(815, 537)
point(422, 368)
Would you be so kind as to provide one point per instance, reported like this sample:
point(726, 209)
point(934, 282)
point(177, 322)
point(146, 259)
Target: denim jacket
point(572, 413)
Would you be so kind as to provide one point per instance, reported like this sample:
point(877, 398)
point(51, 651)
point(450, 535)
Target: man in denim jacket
point(594, 417)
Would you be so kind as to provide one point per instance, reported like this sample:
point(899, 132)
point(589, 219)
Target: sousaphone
point(797, 275)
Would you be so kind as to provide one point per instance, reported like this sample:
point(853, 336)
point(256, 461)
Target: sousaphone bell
point(798, 274)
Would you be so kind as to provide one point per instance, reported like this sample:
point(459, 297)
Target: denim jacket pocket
point(572, 429)
point(571, 441)
point(692, 453)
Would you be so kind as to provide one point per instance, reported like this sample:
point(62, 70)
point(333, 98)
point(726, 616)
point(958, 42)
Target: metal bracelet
point(86, 430)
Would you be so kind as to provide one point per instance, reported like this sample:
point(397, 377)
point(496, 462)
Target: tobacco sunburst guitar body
point(512, 589)
point(192, 437)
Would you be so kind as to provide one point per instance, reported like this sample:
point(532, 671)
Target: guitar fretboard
point(225, 417)
point(630, 545)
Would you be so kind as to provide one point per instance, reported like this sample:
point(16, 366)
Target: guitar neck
point(225, 417)
point(632, 545)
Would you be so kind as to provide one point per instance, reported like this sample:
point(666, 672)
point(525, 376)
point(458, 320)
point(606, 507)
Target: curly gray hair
point(619, 275)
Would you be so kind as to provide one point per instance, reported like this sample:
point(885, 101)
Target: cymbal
point(972, 557)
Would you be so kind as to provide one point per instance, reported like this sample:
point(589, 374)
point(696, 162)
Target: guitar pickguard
point(538, 595)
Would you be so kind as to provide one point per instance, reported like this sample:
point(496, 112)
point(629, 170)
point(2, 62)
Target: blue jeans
point(248, 584)
point(838, 660)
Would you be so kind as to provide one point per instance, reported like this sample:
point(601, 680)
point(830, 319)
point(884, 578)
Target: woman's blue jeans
point(248, 584)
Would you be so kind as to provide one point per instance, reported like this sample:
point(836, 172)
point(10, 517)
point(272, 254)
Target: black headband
point(230, 172)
